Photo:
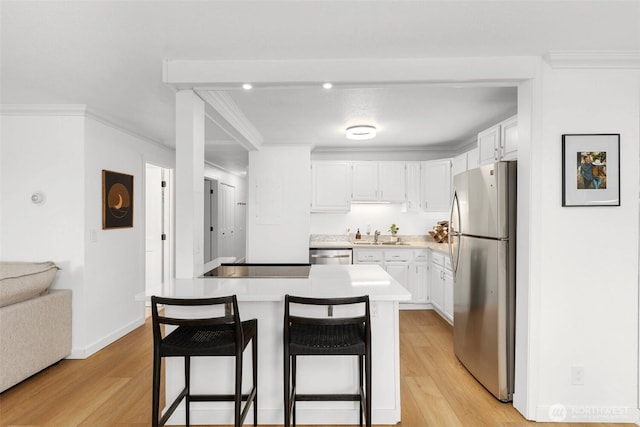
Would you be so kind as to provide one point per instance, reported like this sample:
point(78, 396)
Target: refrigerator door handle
point(455, 234)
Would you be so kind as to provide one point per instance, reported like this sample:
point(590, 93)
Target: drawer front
point(437, 258)
point(368, 255)
point(398, 255)
point(421, 255)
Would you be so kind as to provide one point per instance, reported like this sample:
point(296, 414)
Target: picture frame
point(117, 200)
point(591, 169)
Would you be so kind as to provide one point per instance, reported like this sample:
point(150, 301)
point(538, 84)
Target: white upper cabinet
point(499, 142)
point(459, 164)
point(414, 187)
point(472, 159)
point(330, 186)
point(509, 138)
point(436, 181)
point(378, 181)
point(392, 181)
point(488, 145)
point(364, 177)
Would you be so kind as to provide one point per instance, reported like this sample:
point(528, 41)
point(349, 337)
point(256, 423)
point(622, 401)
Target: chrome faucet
point(376, 235)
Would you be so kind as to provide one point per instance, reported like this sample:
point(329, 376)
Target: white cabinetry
point(472, 159)
point(330, 189)
point(436, 180)
point(499, 142)
point(396, 263)
point(414, 187)
point(378, 181)
point(419, 276)
point(368, 256)
point(441, 285)
point(459, 164)
point(392, 181)
point(509, 138)
point(408, 266)
point(364, 181)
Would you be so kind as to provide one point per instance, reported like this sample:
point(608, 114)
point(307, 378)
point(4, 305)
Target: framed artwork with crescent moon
point(117, 200)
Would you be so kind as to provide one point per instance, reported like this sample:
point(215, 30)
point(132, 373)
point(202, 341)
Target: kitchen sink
point(381, 243)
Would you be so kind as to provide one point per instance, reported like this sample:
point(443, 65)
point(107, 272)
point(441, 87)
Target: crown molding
point(227, 115)
point(594, 59)
point(43, 109)
point(75, 110)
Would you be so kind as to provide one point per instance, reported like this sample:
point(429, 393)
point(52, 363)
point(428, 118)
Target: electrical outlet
point(577, 375)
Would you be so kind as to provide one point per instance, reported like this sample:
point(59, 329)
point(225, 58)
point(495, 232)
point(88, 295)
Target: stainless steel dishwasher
point(330, 256)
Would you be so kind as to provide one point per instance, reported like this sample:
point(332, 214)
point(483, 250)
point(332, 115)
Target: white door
point(227, 225)
point(157, 228)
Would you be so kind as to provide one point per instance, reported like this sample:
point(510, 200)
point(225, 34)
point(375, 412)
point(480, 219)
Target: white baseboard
point(84, 352)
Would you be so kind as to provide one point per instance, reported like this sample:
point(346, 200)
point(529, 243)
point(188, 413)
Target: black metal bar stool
point(224, 335)
point(333, 336)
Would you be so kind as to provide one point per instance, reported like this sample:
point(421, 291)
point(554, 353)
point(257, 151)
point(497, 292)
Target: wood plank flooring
point(113, 387)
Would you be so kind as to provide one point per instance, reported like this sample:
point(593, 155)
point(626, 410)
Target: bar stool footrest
point(327, 397)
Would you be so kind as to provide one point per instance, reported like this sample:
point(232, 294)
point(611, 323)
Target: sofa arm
point(34, 334)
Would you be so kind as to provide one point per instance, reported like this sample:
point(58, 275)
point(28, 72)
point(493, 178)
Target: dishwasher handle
point(330, 256)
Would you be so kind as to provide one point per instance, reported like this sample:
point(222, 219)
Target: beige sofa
point(35, 321)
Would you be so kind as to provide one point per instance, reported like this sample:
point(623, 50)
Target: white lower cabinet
point(441, 285)
point(408, 266)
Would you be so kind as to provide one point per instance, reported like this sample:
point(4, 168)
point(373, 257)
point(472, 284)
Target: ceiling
point(108, 55)
point(406, 117)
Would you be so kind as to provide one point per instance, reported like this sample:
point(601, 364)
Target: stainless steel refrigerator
point(482, 248)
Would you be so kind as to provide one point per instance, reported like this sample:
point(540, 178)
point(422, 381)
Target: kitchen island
point(263, 298)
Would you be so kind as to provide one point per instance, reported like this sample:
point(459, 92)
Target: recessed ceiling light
point(361, 132)
point(247, 86)
point(327, 85)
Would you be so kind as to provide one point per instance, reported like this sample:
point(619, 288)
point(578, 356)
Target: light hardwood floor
point(113, 387)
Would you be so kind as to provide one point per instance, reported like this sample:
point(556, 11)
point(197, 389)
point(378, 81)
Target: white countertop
point(442, 247)
point(325, 281)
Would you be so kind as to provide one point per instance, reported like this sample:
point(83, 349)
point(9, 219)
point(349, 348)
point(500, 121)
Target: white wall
point(62, 155)
point(279, 189)
point(586, 299)
point(46, 154)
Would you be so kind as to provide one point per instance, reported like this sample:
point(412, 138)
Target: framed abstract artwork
point(591, 170)
point(117, 200)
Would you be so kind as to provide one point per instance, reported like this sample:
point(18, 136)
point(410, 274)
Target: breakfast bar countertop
point(324, 281)
point(262, 298)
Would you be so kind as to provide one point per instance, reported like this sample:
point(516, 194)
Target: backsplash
point(372, 217)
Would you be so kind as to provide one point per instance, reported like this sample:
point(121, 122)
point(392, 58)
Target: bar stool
point(339, 336)
point(224, 335)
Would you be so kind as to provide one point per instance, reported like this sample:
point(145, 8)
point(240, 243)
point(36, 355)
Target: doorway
point(158, 228)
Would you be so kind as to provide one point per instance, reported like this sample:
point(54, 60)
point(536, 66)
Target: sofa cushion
point(20, 281)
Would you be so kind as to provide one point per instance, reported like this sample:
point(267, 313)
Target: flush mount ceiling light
point(247, 86)
point(361, 132)
point(327, 85)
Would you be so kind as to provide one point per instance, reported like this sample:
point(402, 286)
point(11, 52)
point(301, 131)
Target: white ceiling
point(108, 55)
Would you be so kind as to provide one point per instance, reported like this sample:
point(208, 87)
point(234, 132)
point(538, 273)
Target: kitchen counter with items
point(328, 241)
point(418, 263)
